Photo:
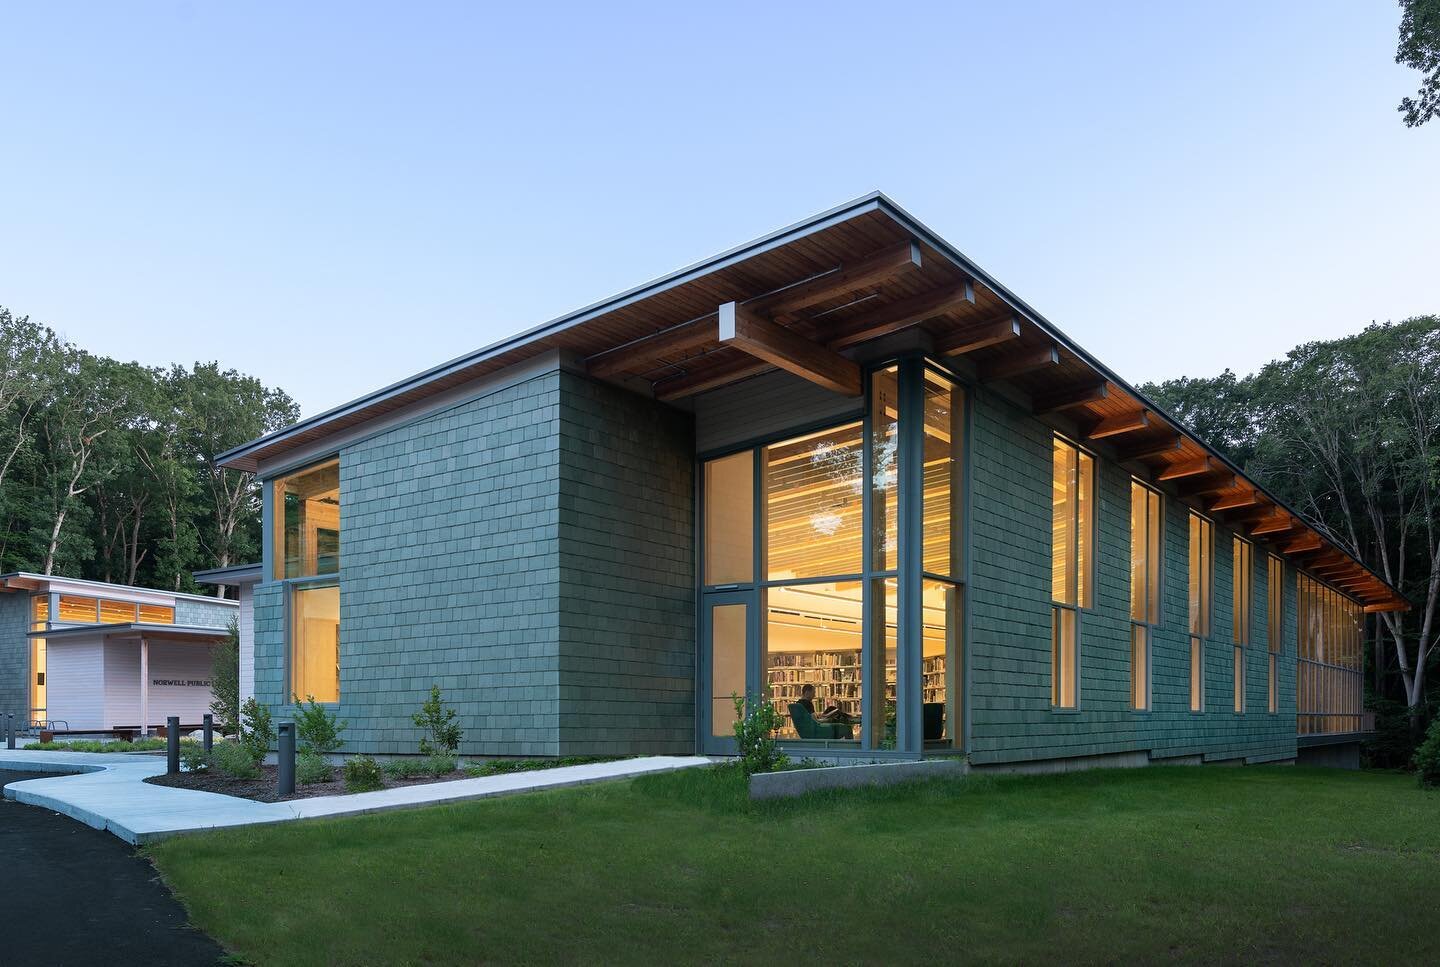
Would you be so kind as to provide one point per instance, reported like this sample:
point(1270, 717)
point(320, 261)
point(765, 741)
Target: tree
point(1420, 48)
point(225, 681)
point(223, 409)
point(1349, 432)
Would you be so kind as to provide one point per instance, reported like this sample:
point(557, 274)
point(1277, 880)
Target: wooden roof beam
point(902, 314)
point(1148, 451)
point(1026, 362)
point(884, 265)
point(747, 330)
point(1276, 524)
point(635, 357)
point(1188, 468)
point(1248, 498)
point(1113, 426)
point(1071, 398)
point(1205, 485)
point(969, 340)
point(1304, 544)
point(712, 377)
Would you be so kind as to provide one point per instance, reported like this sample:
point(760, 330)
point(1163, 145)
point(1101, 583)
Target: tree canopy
point(107, 469)
point(1348, 431)
point(1420, 48)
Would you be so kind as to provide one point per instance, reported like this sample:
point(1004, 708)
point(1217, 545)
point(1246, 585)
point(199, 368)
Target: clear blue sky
point(337, 196)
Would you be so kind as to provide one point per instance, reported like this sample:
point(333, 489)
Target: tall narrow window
point(1073, 490)
point(1146, 548)
point(1242, 594)
point(730, 519)
point(942, 561)
point(39, 621)
point(1202, 575)
point(305, 542)
point(1275, 626)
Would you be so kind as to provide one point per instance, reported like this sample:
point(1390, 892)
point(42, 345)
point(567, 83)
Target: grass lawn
point(1197, 864)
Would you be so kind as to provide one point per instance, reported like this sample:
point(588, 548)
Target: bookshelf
point(836, 676)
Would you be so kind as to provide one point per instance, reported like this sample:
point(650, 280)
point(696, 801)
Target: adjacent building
point(88, 656)
point(840, 456)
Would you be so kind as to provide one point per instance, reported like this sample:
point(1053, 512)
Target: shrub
point(225, 681)
point(439, 722)
point(312, 767)
point(193, 757)
point(362, 774)
point(439, 764)
point(112, 745)
point(317, 727)
point(257, 734)
point(1427, 757)
point(442, 763)
point(234, 759)
point(756, 721)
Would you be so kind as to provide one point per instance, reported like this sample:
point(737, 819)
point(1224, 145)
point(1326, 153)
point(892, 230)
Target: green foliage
point(193, 757)
point(756, 722)
point(1348, 431)
point(312, 767)
point(113, 746)
point(317, 727)
point(1392, 745)
point(1427, 757)
point(362, 774)
point(257, 733)
point(225, 681)
point(1419, 48)
point(439, 764)
point(496, 767)
point(110, 471)
point(442, 731)
point(234, 759)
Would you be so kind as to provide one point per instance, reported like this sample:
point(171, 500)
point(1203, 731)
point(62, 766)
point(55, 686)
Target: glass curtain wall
point(1329, 689)
point(1201, 583)
point(1146, 531)
point(812, 527)
point(1275, 626)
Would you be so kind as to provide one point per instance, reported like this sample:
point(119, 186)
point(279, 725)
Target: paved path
point(110, 793)
point(73, 895)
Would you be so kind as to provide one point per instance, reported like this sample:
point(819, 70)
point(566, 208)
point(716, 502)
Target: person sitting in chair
point(832, 714)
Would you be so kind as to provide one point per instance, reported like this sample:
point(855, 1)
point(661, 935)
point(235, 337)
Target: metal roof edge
point(843, 212)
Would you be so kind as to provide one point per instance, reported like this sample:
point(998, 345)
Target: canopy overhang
point(808, 299)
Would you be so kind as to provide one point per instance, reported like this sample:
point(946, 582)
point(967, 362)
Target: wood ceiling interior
point(805, 304)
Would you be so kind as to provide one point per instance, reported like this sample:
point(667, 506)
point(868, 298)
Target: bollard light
point(209, 738)
point(285, 766)
point(172, 745)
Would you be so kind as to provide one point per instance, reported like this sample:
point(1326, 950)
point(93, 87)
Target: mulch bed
point(263, 789)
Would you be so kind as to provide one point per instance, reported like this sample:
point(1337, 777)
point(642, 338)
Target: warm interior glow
point(813, 636)
point(730, 518)
point(307, 522)
point(315, 643)
point(943, 442)
point(727, 664)
point(885, 468)
point(75, 609)
point(1329, 691)
point(813, 487)
point(116, 612)
point(155, 614)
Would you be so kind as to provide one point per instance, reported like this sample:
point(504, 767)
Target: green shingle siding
point(1011, 718)
point(530, 553)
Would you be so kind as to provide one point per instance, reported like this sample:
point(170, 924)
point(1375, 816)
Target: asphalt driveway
point(70, 894)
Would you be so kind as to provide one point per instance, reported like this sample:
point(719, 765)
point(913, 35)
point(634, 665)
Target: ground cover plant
point(113, 745)
point(496, 767)
point(1261, 864)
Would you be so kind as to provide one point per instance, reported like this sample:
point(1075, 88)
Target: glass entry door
point(729, 625)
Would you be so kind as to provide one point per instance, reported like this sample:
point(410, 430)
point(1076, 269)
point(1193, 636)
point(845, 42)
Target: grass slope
point(1194, 864)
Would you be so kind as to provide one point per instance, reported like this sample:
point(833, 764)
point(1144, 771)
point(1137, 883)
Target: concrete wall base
point(797, 782)
point(1118, 760)
point(1342, 755)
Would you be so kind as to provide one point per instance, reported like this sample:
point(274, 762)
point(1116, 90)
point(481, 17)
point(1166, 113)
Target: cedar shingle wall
point(1011, 718)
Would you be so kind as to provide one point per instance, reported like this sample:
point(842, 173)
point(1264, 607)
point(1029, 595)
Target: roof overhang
point(32, 583)
point(133, 631)
point(229, 576)
point(809, 299)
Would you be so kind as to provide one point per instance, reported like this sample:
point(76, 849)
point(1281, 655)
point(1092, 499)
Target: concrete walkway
point(109, 792)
